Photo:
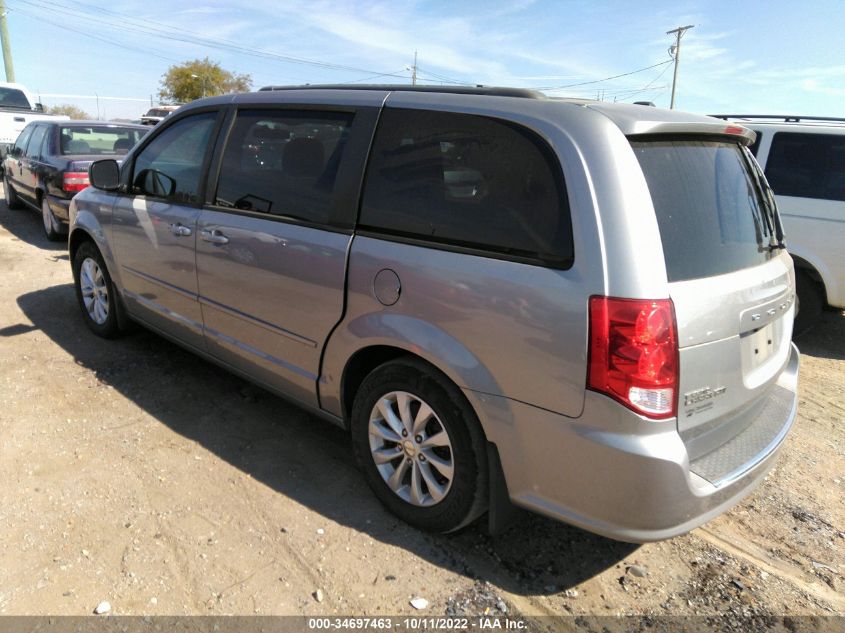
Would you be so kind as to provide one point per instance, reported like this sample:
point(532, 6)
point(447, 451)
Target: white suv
point(804, 162)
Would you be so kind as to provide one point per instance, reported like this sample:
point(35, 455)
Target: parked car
point(48, 164)
point(157, 114)
point(581, 308)
point(804, 161)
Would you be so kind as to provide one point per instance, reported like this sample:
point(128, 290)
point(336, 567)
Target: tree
point(70, 110)
point(200, 78)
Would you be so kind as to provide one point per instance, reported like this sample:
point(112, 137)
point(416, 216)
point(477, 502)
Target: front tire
point(12, 200)
point(95, 292)
point(420, 446)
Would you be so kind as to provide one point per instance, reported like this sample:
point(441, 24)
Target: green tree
point(200, 78)
point(70, 110)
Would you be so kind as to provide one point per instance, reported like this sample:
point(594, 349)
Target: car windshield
point(98, 141)
point(13, 98)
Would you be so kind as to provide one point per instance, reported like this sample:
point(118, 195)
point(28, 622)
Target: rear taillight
point(74, 181)
point(634, 353)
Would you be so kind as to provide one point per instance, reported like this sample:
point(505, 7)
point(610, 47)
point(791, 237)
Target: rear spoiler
point(652, 128)
point(657, 121)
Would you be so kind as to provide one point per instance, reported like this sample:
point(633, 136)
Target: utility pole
point(675, 52)
point(413, 70)
point(7, 46)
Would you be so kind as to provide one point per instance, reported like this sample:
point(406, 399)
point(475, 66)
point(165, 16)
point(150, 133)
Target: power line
point(630, 93)
point(598, 81)
point(99, 38)
point(442, 78)
point(391, 74)
point(180, 35)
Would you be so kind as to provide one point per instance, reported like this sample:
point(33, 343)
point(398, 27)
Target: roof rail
point(779, 117)
point(494, 91)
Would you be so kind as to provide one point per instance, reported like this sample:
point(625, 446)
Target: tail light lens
point(634, 354)
point(73, 181)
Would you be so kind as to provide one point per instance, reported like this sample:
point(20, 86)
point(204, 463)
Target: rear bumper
point(619, 475)
point(59, 207)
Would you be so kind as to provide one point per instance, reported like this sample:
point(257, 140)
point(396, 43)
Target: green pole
point(4, 40)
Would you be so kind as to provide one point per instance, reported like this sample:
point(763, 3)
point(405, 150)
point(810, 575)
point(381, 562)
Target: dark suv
point(48, 164)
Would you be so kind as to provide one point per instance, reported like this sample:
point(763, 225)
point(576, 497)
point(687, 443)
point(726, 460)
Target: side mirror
point(39, 107)
point(152, 182)
point(104, 174)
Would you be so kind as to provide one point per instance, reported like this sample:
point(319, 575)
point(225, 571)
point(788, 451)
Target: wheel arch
point(358, 367)
point(812, 272)
point(360, 344)
point(75, 240)
point(366, 359)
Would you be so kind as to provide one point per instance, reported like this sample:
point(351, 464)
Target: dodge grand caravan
point(584, 309)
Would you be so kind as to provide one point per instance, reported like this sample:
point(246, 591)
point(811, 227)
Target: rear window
point(13, 98)
point(807, 165)
point(98, 141)
point(709, 208)
point(469, 182)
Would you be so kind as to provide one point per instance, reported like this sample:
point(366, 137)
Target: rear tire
point(810, 303)
point(12, 200)
point(438, 479)
point(52, 226)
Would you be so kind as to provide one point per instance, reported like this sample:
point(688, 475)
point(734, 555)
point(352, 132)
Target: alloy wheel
point(95, 293)
point(411, 449)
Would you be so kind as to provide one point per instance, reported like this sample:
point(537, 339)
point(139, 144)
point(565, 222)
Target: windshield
point(13, 98)
point(711, 212)
point(156, 112)
point(98, 141)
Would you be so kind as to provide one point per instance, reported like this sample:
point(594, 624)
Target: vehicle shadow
point(25, 225)
point(826, 339)
point(305, 458)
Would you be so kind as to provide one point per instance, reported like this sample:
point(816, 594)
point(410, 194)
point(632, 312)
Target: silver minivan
point(580, 308)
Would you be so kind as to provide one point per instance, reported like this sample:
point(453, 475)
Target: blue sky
point(741, 57)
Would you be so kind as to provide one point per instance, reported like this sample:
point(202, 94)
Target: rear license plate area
point(759, 346)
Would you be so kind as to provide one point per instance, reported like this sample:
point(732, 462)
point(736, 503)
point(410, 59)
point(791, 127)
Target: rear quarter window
point(807, 165)
point(461, 180)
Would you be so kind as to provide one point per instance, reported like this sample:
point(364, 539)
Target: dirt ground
point(135, 473)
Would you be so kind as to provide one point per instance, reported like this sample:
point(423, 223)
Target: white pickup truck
point(17, 108)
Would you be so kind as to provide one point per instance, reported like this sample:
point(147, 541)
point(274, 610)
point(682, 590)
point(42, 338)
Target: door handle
point(180, 230)
point(214, 236)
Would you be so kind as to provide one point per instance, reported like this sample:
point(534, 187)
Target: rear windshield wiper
point(769, 206)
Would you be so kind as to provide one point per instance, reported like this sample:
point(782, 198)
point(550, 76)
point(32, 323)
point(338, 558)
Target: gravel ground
point(137, 474)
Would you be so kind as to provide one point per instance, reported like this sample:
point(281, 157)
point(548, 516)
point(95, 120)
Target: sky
point(774, 57)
